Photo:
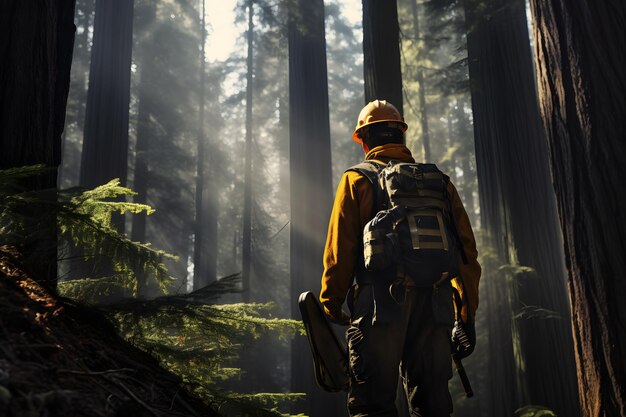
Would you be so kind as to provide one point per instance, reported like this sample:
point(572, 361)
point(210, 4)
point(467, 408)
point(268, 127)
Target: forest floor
point(62, 359)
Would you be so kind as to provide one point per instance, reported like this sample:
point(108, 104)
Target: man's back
point(387, 333)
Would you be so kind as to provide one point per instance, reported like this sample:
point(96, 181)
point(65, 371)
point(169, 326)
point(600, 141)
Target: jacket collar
point(390, 151)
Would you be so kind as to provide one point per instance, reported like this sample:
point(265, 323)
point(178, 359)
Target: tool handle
point(464, 379)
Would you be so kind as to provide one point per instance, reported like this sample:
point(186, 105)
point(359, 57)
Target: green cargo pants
point(417, 346)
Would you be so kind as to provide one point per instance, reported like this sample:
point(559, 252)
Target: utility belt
point(393, 275)
point(389, 291)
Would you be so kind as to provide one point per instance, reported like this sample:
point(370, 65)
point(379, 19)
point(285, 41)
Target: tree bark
point(85, 43)
point(581, 55)
point(464, 135)
point(142, 150)
point(144, 19)
point(381, 52)
point(36, 42)
point(518, 209)
point(205, 228)
point(75, 115)
point(246, 258)
point(310, 182)
point(422, 86)
point(105, 143)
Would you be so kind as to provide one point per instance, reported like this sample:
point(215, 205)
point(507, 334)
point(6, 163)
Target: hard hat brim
point(357, 139)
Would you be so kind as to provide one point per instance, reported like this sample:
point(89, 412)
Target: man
point(414, 341)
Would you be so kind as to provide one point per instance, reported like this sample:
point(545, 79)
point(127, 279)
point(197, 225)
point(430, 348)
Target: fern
point(534, 411)
point(531, 311)
point(11, 179)
point(513, 271)
point(188, 333)
point(197, 341)
point(83, 220)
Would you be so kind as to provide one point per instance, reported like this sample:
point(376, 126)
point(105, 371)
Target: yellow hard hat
point(378, 111)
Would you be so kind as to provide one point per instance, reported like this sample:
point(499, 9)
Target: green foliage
point(199, 341)
point(515, 270)
point(10, 178)
point(20, 209)
point(534, 411)
point(531, 311)
point(83, 220)
point(92, 290)
point(248, 406)
point(190, 335)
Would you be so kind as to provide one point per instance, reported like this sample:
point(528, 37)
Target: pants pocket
point(443, 305)
point(354, 339)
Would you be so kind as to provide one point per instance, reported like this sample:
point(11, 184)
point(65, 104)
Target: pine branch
point(83, 221)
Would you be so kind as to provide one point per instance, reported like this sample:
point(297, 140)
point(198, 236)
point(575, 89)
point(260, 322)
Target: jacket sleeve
point(469, 268)
point(351, 210)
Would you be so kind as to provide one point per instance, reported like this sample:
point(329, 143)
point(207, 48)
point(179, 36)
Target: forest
point(168, 169)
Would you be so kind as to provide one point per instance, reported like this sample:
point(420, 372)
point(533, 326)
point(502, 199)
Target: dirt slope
point(60, 359)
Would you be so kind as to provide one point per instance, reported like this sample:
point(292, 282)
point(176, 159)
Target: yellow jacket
point(353, 208)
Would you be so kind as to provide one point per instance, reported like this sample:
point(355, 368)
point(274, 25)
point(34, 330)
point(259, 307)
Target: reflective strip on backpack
point(417, 232)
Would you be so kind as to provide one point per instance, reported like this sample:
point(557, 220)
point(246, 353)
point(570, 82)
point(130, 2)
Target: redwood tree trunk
point(205, 227)
point(246, 258)
point(75, 115)
point(518, 211)
point(36, 42)
point(581, 56)
point(422, 86)
point(105, 143)
point(144, 19)
point(310, 185)
point(381, 52)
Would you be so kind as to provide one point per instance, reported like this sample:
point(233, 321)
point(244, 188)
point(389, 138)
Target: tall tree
point(464, 133)
point(267, 76)
point(77, 98)
point(167, 43)
point(36, 41)
point(145, 18)
point(247, 182)
point(381, 52)
point(105, 143)
point(311, 184)
point(423, 110)
point(518, 211)
point(581, 55)
point(344, 51)
point(205, 227)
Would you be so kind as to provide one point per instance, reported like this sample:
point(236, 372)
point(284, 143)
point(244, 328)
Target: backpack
point(413, 231)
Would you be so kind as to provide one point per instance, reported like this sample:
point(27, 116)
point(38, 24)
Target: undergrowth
point(190, 334)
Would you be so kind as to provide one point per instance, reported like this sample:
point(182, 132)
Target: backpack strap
point(455, 230)
point(458, 300)
point(370, 170)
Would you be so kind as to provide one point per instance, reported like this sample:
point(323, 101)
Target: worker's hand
point(463, 339)
point(338, 316)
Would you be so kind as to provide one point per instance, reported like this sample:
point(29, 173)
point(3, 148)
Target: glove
point(337, 316)
point(463, 339)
